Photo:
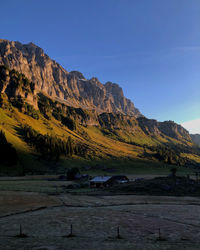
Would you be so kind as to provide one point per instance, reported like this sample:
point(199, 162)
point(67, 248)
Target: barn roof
point(101, 179)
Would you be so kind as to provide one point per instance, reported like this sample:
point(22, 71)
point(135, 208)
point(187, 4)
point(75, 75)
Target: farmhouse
point(107, 181)
point(101, 181)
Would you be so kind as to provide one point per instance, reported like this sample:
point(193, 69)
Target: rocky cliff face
point(69, 87)
point(15, 86)
point(168, 128)
point(73, 97)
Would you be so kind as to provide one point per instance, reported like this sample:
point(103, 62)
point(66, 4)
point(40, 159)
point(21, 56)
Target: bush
point(71, 174)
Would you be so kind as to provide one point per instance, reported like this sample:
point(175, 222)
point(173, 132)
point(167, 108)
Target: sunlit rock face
point(16, 86)
point(71, 88)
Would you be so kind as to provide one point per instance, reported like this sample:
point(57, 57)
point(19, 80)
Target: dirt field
point(45, 219)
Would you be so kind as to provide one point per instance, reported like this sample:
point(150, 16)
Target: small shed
point(101, 181)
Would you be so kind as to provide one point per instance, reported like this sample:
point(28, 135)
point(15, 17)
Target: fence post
point(159, 234)
point(20, 230)
point(71, 229)
point(21, 235)
point(160, 238)
point(118, 233)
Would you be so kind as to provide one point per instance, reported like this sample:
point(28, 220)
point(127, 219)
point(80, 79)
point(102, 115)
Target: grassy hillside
point(105, 155)
point(50, 136)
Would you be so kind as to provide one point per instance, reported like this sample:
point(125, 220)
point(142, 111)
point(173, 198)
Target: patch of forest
point(49, 147)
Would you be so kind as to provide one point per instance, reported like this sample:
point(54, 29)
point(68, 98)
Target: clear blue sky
point(151, 48)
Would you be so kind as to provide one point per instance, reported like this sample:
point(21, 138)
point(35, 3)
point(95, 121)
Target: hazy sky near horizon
point(151, 48)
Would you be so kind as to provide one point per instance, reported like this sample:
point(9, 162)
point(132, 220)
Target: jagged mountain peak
point(77, 74)
point(53, 80)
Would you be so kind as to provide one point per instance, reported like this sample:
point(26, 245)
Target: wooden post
point(20, 230)
point(21, 235)
point(159, 234)
point(118, 235)
point(160, 238)
point(71, 230)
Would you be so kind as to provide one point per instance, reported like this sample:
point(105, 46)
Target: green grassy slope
point(110, 155)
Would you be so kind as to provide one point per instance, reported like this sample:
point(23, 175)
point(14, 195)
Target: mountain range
point(72, 88)
point(41, 102)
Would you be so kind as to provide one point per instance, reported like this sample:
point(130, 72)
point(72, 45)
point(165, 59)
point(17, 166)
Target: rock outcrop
point(72, 88)
point(15, 86)
point(168, 128)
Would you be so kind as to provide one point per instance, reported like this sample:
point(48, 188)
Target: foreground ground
point(46, 218)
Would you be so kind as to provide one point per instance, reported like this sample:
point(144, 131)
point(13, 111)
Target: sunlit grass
point(121, 156)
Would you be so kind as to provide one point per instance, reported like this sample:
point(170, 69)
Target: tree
point(71, 174)
point(70, 149)
point(173, 171)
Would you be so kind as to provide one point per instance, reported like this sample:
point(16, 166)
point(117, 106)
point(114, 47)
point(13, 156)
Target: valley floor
point(46, 218)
